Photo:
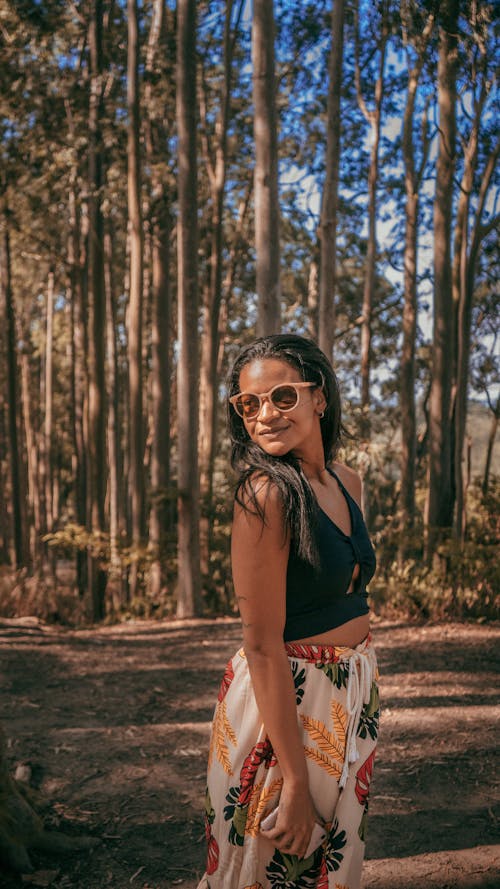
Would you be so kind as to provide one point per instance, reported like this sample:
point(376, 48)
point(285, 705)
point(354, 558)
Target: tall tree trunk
point(189, 584)
point(47, 426)
point(491, 444)
point(216, 163)
point(412, 187)
point(328, 222)
point(373, 117)
point(136, 444)
point(96, 443)
point(267, 244)
point(35, 530)
point(439, 507)
point(79, 380)
point(116, 524)
point(161, 319)
point(15, 453)
point(467, 248)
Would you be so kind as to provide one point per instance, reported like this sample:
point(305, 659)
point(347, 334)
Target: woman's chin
point(274, 448)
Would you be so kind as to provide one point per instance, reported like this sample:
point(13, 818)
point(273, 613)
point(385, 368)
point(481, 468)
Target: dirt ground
point(115, 721)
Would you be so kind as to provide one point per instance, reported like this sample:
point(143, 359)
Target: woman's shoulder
point(350, 479)
point(257, 492)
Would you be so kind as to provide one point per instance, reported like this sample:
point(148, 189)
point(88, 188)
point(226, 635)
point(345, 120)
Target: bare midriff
point(349, 634)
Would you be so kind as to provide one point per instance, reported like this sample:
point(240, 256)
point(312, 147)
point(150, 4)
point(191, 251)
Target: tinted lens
point(285, 398)
point(247, 405)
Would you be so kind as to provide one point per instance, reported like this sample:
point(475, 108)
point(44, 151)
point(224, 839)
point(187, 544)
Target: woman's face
point(276, 432)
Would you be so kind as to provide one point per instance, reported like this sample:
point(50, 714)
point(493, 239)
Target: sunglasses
point(284, 397)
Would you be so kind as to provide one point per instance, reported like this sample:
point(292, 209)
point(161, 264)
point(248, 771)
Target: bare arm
point(259, 559)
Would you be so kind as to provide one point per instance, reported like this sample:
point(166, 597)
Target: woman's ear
point(319, 400)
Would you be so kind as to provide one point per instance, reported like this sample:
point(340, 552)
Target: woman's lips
point(269, 433)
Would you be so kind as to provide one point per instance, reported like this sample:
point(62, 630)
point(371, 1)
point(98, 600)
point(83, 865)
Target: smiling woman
point(295, 726)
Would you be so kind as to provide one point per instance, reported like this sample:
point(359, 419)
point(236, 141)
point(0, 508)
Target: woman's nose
point(267, 409)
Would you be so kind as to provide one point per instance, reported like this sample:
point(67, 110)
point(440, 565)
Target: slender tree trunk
point(373, 117)
point(96, 442)
point(136, 445)
point(113, 433)
point(79, 380)
point(328, 222)
point(267, 242)
point(491, 444)
point(439, 511)
point(213, 300)
point(189, 584)
point(160, 519)
point(16, 475)
point(463, 277)
point(31, 453)
point(47, 427)
point(407, 386)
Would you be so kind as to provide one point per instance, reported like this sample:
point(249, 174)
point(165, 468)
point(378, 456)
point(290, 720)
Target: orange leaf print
point(339, 719)
point(259, 801)
point(221, 728)
point(322, 760)
point(326, 741)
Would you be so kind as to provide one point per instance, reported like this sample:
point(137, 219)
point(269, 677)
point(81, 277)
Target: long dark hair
point(248, 459)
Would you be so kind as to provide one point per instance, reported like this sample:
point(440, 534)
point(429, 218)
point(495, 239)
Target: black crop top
point(316, 600)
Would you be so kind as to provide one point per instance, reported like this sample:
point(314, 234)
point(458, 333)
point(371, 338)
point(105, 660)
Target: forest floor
point(114, 722)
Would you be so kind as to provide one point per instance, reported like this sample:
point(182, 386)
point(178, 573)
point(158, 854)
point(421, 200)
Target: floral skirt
point(338, 711)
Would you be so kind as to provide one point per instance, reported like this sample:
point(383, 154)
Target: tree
point(267, 243)
point(417, 39)
point(470, 230)
point(96, 447)
point(189, 583)
point(328, 222)
point(373, 117)
point(12, 387)
point(135, 310)
point(439, 507)
point(156, 139)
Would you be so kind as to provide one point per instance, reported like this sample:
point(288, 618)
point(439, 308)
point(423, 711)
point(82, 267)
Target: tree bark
point(216, 163)
point(96, 444)
point(134, 316)
point(34, 526)
point(189, 583)
point(47, 426)
point(160, 519)
point(328, 221)
point(412, 186)
point(79, 379)
point(491, 444)
point(16, 475)
point(267, 243)
point(116, 523)
point(439, 511)
point(373, 117)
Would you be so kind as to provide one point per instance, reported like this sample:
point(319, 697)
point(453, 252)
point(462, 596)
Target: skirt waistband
point(325, 654)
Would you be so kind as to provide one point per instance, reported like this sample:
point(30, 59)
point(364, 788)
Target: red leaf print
point(226, 681)
point(322, 879)
point(262, 752)
point(363, 778)
point(212, 851)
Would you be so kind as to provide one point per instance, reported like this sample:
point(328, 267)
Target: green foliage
point(464, 580)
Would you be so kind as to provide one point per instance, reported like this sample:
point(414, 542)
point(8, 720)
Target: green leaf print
point(337, 673)
point(369, 719)
point(292, 872)
point(299, 678)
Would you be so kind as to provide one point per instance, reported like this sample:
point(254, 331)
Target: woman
point(295, 725)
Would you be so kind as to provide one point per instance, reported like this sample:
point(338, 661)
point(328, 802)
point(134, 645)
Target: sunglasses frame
point(297, 386)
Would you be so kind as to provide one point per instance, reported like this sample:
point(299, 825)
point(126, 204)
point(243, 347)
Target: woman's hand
point(296, 819)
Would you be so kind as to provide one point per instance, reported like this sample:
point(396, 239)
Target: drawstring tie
point(362, 672)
